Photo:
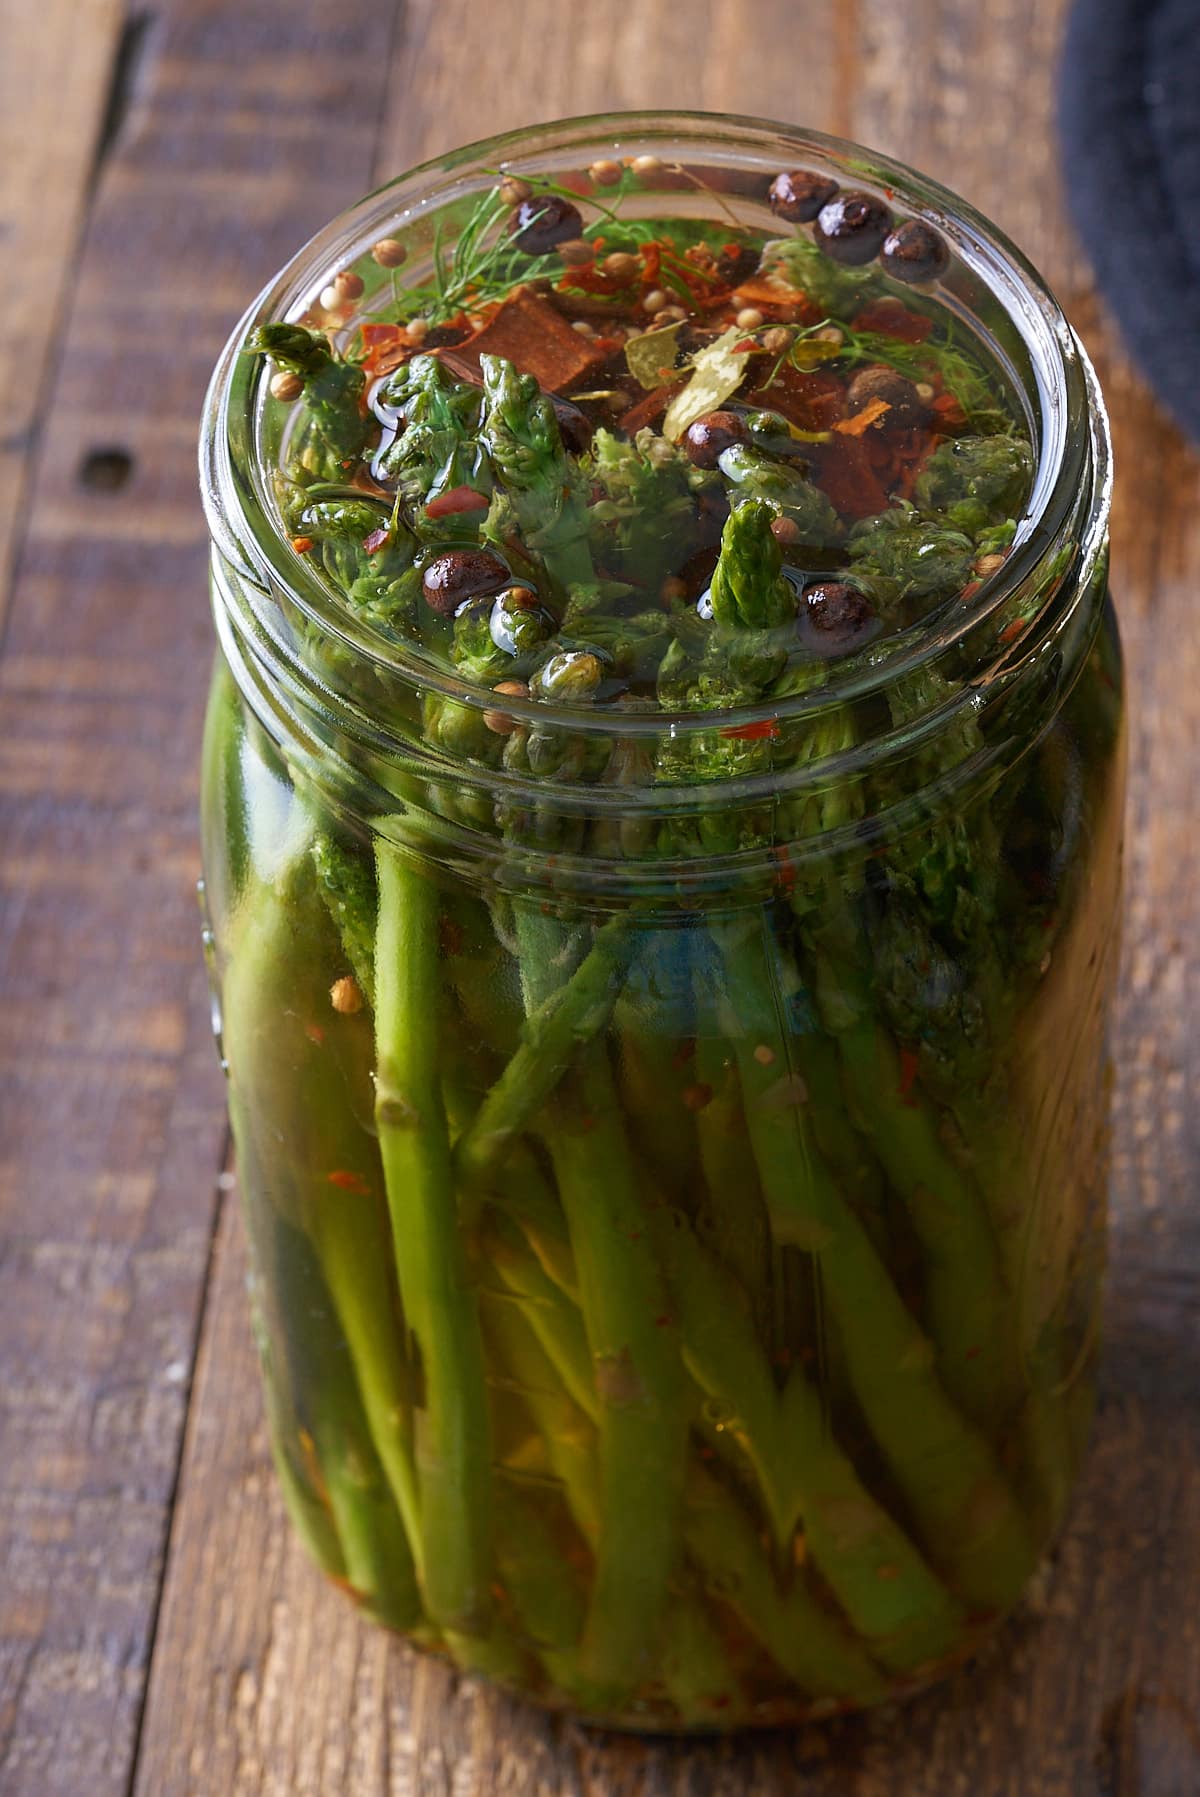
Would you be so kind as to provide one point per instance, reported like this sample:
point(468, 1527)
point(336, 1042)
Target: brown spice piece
point(834, 617)
point(905, 406)
point(461, 574)
point(535, 338)
point(799, 194)
point(706, 440)
point(915, 252)
point(651, 410)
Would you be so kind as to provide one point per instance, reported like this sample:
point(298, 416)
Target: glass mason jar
point(676, 1207)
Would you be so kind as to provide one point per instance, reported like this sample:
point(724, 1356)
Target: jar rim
point(1067, 507)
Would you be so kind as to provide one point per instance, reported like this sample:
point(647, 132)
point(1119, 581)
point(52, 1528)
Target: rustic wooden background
point(159, 1631)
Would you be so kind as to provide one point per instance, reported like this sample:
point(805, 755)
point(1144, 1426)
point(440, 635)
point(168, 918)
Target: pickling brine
point(662, 810)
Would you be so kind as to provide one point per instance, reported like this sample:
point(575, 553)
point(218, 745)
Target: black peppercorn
point(709, 437)
point(915, 252)
point(835, 618)
point(799, 194)
point(544, 220)
point(852, 226)
point(905, 407)
point(461, 574)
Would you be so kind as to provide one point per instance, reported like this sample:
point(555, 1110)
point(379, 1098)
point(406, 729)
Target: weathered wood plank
point(57, 66)
point(264, 1680)
point(250, 128)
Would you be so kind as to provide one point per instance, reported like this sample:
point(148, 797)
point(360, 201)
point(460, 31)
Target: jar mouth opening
point(1067, 505)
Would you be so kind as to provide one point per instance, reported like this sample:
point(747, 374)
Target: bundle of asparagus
point(676, 1225)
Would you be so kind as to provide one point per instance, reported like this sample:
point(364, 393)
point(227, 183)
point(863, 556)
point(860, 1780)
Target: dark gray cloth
point(1130, 124)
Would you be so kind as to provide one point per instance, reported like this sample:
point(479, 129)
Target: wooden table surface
point(160, 1633)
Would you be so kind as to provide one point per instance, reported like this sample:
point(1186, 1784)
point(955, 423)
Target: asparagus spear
point(813, 1647)
point(333, 390)
point(568, 1017)
point(541, 481)
point(894, 1601)
point(302, 1073)
point(638, 1374)
point(452, 1447)
point(968, 1518)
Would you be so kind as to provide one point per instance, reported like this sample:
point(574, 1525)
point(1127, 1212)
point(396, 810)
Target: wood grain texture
point(111, 1125)
point(57, 67)
point(1097, 1687)
point(260, 122)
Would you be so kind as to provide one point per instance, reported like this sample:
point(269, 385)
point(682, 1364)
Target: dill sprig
point(961, 372)
point(482, 265)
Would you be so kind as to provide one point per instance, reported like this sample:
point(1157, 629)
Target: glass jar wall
point(675, 1184)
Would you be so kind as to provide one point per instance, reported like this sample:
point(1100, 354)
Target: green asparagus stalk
point(812, 1646)
point(453, 1451)
point(894, 1601)
point(970, 1311)
point(302, 1073)
point(639, 1381)
point(551, 1315)
point(638, 1374)
point(653, 1023)
point(316, 1416)
point(568, 1017)
point(560, 1433)
point(970, 1523)
point(697, 1671)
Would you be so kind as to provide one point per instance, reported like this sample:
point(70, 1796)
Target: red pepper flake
point(591, 278)
point(683, 1054)
point(973, 1353)
point(949, 411)
point(664, 1321)
point(379, 337)
point(746, 345)
point(908, 1074)
point(1012, 631)
point(376, 540)
point(315, 1033)
point(697, 1096)
point(458, 499)
point(787, 873)
point(749, 733)
point(349, 1182)
point(451, 936)
point(862, 421)
point(383, 336)
point(890, 317)
point(651, 255)
point(385, 346)
point(302, 545)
